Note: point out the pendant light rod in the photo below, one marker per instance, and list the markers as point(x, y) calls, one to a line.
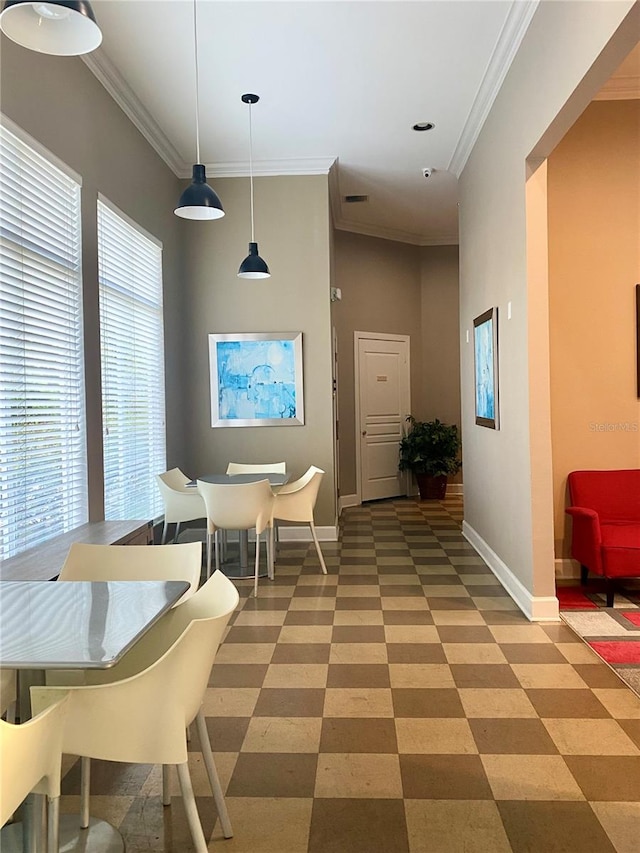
point(251, 99)
point(195, 41)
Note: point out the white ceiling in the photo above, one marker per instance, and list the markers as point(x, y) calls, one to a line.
point(338, 81)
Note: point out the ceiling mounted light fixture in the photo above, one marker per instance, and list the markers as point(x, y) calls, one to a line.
point(56, 27)
point(423, 125)
point(253, 266)
point(198, 201)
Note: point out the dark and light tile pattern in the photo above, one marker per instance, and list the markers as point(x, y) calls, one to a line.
point(399, 704)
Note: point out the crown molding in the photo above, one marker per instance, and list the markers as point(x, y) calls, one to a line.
point(515, 26)
point(619, 89)
point(267, 168)
point(115, 84)
point(393, 234)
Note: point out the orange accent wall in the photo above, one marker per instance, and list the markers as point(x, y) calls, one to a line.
point(594, 266)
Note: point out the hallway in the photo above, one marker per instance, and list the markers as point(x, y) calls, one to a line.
point(400, 704)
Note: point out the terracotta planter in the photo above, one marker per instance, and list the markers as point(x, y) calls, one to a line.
point(432, 488)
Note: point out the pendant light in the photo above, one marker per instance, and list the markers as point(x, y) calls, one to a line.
point(198, 201)
point(57, 27)
point(253, 266)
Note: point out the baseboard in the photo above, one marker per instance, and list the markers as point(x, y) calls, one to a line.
point(567, 569)
point(455, 488)
point(347, 500)
point(326, 533)
point(536, 608)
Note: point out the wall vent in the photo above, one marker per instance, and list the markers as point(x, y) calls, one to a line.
point(356, 199)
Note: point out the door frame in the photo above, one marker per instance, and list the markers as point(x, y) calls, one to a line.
point(375, 336)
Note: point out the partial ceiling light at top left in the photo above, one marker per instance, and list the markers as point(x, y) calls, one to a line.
point(57, 27)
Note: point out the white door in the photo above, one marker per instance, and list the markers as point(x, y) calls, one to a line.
point(382, 400)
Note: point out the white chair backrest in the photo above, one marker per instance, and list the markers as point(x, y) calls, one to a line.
point(134, 563)
point(142, 718)
point(31, 758)
point(237, 506)
point(174, 478)
point(261, 468)
point(215, 597)
point(181, 503)
point(295, 501)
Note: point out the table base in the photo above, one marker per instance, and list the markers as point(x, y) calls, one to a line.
point(99, 837)
point(234, 571)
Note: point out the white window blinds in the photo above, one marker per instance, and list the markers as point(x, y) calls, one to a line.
point(132, 350)
point(43, 469)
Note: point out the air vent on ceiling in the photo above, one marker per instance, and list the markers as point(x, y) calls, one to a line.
point(356, 199)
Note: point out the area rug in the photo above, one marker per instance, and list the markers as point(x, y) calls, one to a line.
point(612, 632)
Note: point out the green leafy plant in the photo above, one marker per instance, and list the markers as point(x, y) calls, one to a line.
point(430, 447)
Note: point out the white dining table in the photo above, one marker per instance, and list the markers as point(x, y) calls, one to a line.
point(73, 625)
point(241, 569)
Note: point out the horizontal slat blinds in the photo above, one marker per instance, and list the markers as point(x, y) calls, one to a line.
point(43, 467)
point(132, 348)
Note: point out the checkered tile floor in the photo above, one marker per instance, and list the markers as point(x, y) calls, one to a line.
point(400, 704)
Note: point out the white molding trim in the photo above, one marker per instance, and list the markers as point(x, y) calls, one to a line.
point(348, 500)
point(326, 533)
point(389, 233)
point(536, 608)
point(513, 31)
point(124, 96)
point(566, 568)
point(268, 168)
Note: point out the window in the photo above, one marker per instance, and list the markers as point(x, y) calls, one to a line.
point(43, 467)
point(132, 351)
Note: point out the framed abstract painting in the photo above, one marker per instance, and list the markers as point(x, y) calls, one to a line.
point(256, 379)
point(485, 351)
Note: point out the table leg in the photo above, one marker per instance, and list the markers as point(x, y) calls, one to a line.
point(243, 538)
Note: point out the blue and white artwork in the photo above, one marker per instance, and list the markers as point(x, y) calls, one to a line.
point(256, 379)
point(485, 342)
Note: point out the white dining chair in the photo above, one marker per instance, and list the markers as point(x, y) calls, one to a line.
point(31, 755)
point(84, 562)
point(296, 502)
point(241, 506)
point(157, 691)
point(181, 502)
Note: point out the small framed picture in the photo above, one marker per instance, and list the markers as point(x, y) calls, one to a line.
point(485, 351)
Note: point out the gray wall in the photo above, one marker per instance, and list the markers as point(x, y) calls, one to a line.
point(561, 63)
point(404, 290)
point(292, 228)
point(59, 102)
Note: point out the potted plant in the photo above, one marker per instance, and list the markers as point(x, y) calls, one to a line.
point(431, 449)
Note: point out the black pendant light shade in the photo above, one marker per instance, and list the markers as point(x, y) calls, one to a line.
point(253, 266)
point(58, 27)
point(199, 201)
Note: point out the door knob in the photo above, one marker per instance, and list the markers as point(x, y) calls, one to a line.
point(364, 432)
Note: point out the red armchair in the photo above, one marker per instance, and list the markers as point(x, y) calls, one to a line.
point(606, 524)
